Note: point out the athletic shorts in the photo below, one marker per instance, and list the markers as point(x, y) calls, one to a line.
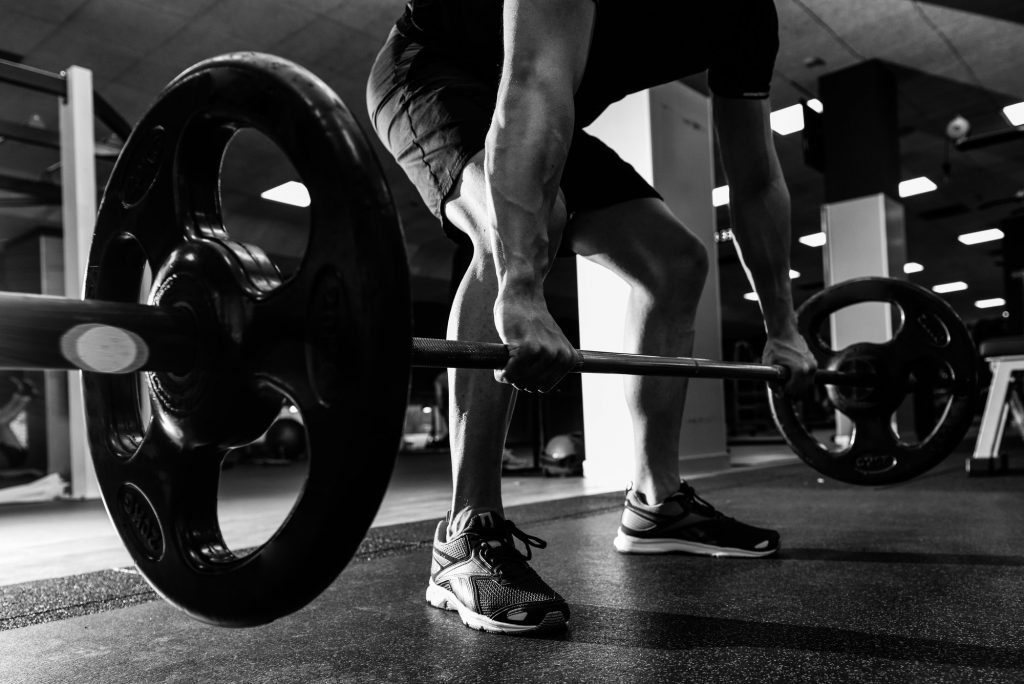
point(432, 90)
point(433, 115)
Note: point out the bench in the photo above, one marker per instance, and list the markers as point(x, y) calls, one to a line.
point(1005, 356)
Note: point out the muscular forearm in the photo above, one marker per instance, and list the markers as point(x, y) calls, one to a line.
point(761, 226)
point(526, 149)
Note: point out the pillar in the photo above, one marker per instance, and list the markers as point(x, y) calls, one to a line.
point(666, 134)
point(78, 187)
point(862, 220)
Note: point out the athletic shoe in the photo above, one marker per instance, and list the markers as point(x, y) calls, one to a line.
point(687, 523)
point(481, 574)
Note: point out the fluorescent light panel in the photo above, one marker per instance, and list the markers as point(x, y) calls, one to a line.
point(793, 275)
point(813, 240)
point(816, 105)
point(990, 303)
point(292, 192)
point(917, 186)
point(956, 286)
point(1014, 114)
point(720, 196)
point(788, 120)
point(987, 235)
point(912, 267)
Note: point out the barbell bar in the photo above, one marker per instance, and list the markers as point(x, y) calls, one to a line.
point(43, 332)
point(435, 353)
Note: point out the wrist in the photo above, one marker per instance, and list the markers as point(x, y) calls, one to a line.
point(520, 286)
point(782, 326)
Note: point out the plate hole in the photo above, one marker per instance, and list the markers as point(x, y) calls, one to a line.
point(860, 323)
point(925, 407)
point(261, 482)
point(255, 166)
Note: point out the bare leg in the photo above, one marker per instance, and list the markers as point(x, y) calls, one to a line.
point(480, 407)
point(665, 266)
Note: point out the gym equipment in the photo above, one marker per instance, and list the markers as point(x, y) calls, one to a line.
point(563, 456)
point(228, 341)
point(286, 439)
point(931, 350)
point(222, 341)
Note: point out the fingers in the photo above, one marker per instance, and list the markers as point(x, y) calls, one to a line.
point(793, 355)
point(801, 377)
point(536, 367)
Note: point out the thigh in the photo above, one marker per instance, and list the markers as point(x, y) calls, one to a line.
point(431, 113)
point(641, 240)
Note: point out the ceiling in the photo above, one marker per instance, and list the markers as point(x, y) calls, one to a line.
point(949, 57)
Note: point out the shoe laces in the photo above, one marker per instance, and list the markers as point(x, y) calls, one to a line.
point(505, 558)
point(692, 500)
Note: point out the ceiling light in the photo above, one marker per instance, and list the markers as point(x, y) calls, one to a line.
point(750, 296)
point(987, 235)
point(793, 275)
point(912, 267)
point(813, 240)
point(950, 287)
point(292, 192)
point(816, 105)
point(917, 186)
point(1014, 114)
point(989, 303)
point(788, 120)
point(720, 196)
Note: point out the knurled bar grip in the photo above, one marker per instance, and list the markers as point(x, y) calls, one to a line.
point(436, 353)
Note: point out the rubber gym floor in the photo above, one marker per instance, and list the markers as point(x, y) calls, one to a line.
point(921, 582)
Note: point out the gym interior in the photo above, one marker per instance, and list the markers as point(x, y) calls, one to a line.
point(900, 128)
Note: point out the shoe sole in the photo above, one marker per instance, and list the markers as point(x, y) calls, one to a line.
point(439, 597)
point(625, 543)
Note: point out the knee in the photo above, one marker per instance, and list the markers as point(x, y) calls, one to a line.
point(678, 267)
point(693, 258)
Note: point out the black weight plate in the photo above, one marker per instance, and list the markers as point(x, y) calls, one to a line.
point(931, 345)
point(334, 339)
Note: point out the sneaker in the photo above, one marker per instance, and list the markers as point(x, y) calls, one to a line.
point(685, 522)
point(481, 574)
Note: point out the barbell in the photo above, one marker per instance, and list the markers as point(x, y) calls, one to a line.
point(222, 340)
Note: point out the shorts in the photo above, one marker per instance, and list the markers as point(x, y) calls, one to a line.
point(433, 113)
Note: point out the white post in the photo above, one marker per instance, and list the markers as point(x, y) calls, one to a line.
point(666, 134)
point(625, 127)
point(78, 182)
point(864, 237)
point(684, 174)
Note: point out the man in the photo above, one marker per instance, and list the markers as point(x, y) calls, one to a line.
point(483, 102)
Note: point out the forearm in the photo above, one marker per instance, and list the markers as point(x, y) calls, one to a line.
point(761, 227)
point(526, 149)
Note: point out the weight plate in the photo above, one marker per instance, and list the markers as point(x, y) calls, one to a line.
point(333, 339)
point(931, 355)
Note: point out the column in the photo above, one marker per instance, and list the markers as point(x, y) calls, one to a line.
point(666, 134)
point(863, 223)
point(78, 182)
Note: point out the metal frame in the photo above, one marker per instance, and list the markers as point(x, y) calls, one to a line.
point(80, 107)
point(986, 457)
point(43, 81)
